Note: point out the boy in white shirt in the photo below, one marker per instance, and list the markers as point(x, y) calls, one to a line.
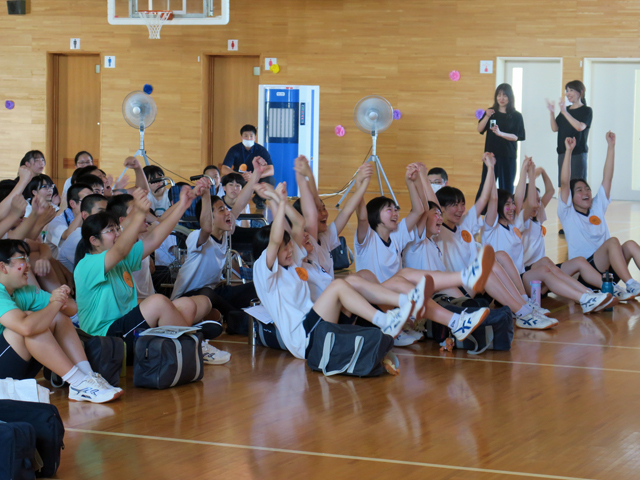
point(233, 184)
point(69, 220)
point(158, 193)
point(585, 226)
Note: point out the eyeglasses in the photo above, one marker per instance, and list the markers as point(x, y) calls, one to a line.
point(24, 258)
point(117, 230)
point(48, 187)
point(85, 163)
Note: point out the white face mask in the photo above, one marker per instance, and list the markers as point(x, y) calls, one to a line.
point(248, 143)
point(436, 186)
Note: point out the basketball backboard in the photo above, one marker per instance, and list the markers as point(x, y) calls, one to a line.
point(185, 12)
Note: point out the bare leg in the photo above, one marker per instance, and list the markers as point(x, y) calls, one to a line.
point(555, 284)
point(43, 347)
point(511, 271)
point(338, 294)
point(546, 261)
point(441, 280)
point(158, 310)
point(193, 309)
point(631, 250)
point(374, 292)
point(610, 255)
point(437, 313)
point(499, 291)
point(587, 272)
point(66, 336)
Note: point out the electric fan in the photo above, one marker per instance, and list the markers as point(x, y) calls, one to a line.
point(139, 110)
point(373, 115)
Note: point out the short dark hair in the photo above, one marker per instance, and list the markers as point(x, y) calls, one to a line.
point(89, 179)
point(210, 167)
point(153, 171)
point(119, 204)
point(74, 192)
point(503, 198)
point(233, 177)
point(198, 207)
point(506, 89)
point(79, 172)
point(88, 202)
point(248, 128)
point(35, 183)
point(6, 187)
point(433, 205)
point(450, 196)
point(30, 155)
point(375, 206)
point(75, 160)
point(579, 87)
point(439, 171)
point(261, 240)
point(574, 182)
point(10, 246)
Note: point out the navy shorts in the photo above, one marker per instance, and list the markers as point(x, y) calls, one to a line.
point(591, 261)
point(127, 324)
point(13, 365)
point(312, 319)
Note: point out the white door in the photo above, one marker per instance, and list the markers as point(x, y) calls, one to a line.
point(533, 81)
point(613, 91)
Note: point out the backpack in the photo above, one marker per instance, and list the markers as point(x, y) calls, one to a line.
point(342, 255)
point(18, 451)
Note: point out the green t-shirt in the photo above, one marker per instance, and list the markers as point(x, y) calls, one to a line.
point(105, 297)
point(27, 298)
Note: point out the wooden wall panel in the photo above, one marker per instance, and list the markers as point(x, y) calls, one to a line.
point(351, 48)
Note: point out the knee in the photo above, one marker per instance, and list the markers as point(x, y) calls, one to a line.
point(613, 242)
point(501, 255)
point(630, 244)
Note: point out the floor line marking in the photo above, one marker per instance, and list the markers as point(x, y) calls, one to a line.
point(577, 344)
point(230, 341)
point(620, 370)
point(326, 455)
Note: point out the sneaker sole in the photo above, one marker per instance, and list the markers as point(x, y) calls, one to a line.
point(601, 305)
point(611, 302)
point(117, 395)
point(488, 257)
point(218, 362)
point(545, 328)
point(429, 287)
point(482, 319)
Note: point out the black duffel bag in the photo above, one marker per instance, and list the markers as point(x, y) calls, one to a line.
point(17, 451)
point(348, 350)
point(162, 362)
point(48, 426)
point(342, 255)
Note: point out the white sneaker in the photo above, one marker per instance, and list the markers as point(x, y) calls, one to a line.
point(595, 300)
point(621, 293)
point(474, 277)
point(416, 334)
point(536, 308)
point(90, 390)
point(534, 321)
point(405, 339)
point(468, 322)
point(396, 318)
point(417, 297)
point(212, 356)
point(101, 380)
point(633, 287)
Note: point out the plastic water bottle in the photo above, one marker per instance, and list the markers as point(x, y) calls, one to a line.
point(607, 287)
point(536, 291)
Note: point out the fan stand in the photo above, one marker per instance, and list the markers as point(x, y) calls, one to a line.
point(141, 151)
point(380, 171)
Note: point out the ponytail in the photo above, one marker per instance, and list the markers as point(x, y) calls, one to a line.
point(91, 227)
point(81, 250)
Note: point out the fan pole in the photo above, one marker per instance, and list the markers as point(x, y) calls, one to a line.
point(379, 170)
point(142, 152)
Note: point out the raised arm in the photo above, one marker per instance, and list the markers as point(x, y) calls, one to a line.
point(531, 204)
point(141, 179)
point(426, 186)
point(307, 200)
point(297, 220)
point(565, 173)
point(18, 206)
point(417, 209)
point(609, 164)
point(552, 109)
point(579, 126)
point(492, 205)
point(277, 230)
point(44, 214)
point(363, 221)
point(153, 241)
point(267, 170)
point(25, 176)
point(245, 194)
point(549, 189)
point(482, 124)
point(363, 177)
point(206, 215)
point(489, 160)
point(522, 183)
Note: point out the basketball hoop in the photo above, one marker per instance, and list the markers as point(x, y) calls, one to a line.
point(154, 20)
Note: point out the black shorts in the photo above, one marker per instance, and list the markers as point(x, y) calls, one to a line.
point(591, 261)
point(13, 365)
point(127, 324)
point(311, 320)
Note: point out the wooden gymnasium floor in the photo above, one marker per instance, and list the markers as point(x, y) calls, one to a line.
point(560, 405)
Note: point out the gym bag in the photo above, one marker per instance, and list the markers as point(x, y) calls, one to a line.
point(267, 335)
point(48, 427)
point(348, 349)
point(17, 451)
point(342, 255)
point(162, 362)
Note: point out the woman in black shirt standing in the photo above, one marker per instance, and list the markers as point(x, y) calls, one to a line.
point(574, 121)
point(504, 127)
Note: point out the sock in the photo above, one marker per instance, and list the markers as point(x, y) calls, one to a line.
point(402, 299)
point(526, 310)
point(74, 377)
point(584, 297)
point(453, 320)
point(525, 298)
point(464, 276)
point(85, 367)
point(380, 319)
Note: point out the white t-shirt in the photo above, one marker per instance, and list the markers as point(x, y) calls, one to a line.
point(319, 277)
point(56, 228)
point(65, 188)
point(585, 233)
point(533, 234)
point(458, 246)
point(423, 254)
point(505, 239)
point(164, 257)
point(287, 298)
point(203, 266)
point(143, 281)
point(383, 259)
point(162, 205)
point(67, 252)
point(328, 241)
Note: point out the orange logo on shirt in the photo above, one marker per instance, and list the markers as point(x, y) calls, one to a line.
point(544, 230)
point(466, 236)
point(127, 279)
point(243, 168)
point(517, 232)
point(302, 273)
point(594, 220)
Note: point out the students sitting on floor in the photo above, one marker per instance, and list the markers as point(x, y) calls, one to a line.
point(583, 218)
point(106, 293)
point(36, 330)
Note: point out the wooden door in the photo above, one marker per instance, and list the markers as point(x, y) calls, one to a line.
point(76, 112)
point(233, 97)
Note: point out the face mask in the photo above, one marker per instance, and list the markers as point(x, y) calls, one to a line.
point(248, 143)
point(436, 186)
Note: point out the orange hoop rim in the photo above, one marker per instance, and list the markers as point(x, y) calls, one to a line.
point(150, 12)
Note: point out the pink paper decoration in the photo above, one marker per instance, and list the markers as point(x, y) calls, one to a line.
point(339, 131)
point(454, 75)
point(397, 114)
point(479, 113)
point(9, 104)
